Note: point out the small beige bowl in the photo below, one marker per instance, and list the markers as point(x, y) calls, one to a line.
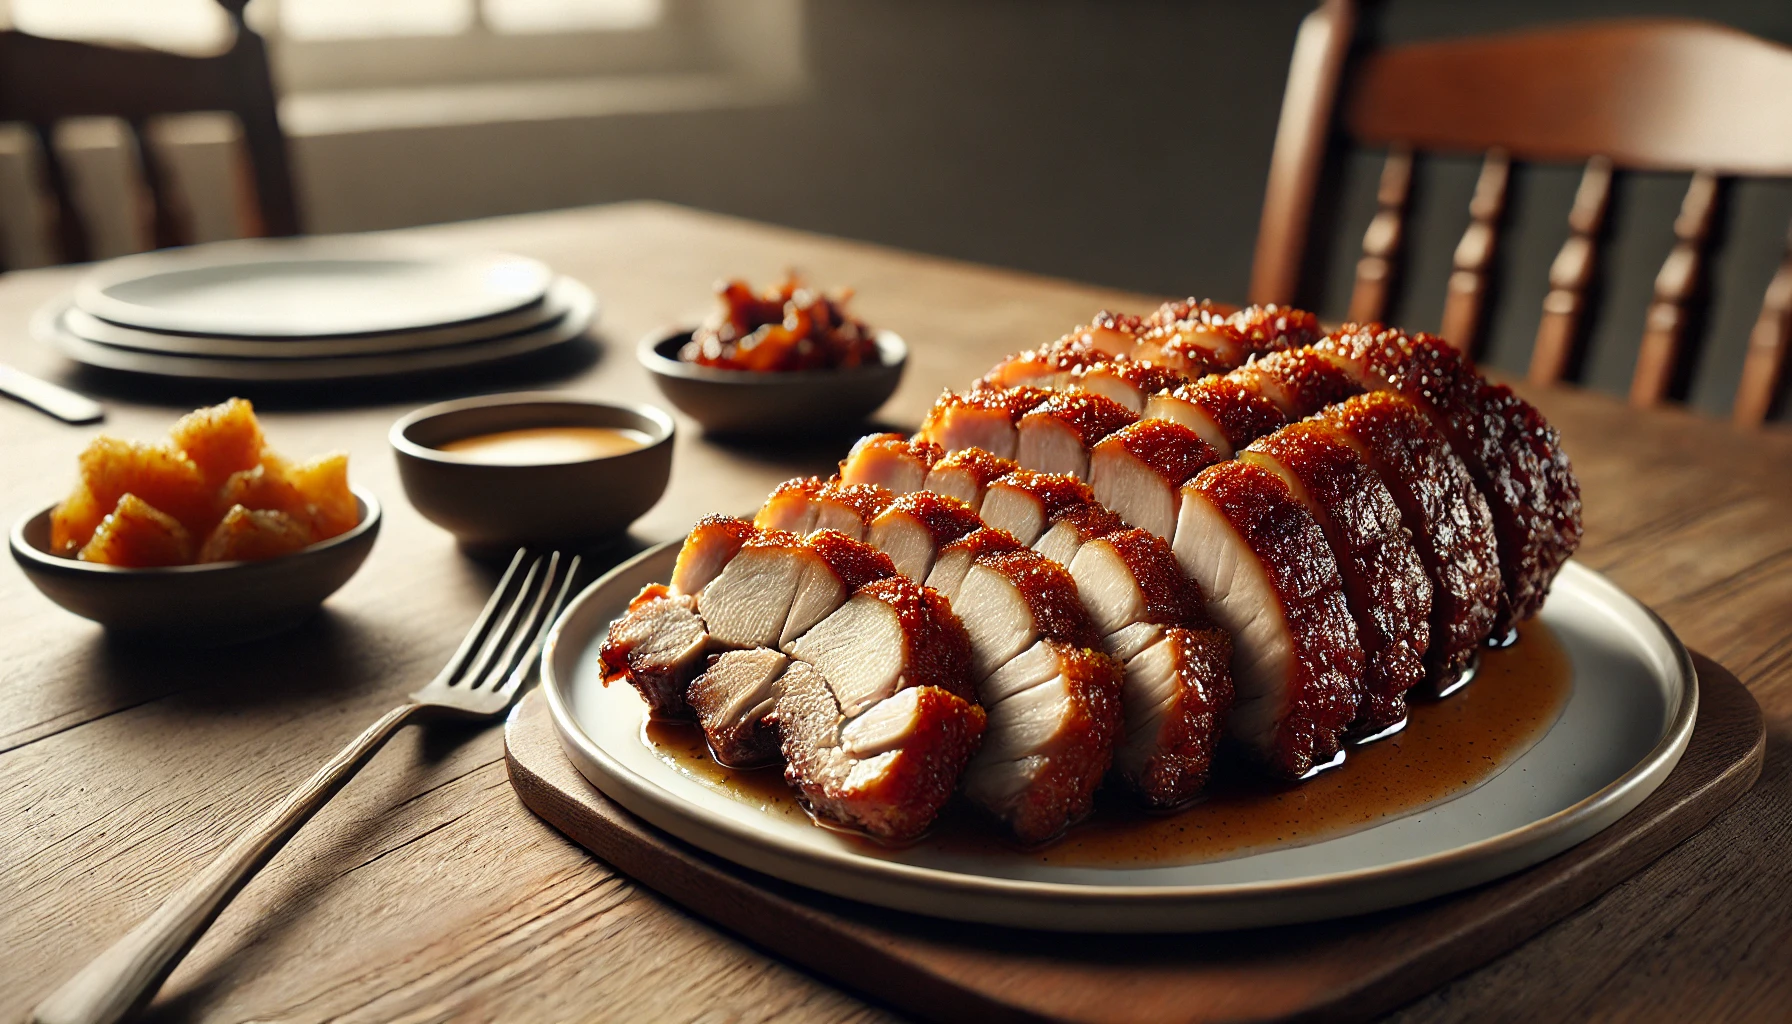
point(491, 507)
point(748, 402)
point(197, 605)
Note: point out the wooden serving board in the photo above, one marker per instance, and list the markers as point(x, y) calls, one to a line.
point(1350, 969)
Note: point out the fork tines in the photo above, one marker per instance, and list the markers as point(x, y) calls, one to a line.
point(505, 640)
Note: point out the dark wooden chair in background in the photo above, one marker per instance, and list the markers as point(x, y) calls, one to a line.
point(44, 81)
point(1655, 94)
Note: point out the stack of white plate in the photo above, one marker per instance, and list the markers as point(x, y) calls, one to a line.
point(312, 310)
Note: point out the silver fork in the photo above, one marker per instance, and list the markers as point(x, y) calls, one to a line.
point(480, 681)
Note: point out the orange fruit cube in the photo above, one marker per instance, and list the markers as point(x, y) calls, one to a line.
point(138, 535)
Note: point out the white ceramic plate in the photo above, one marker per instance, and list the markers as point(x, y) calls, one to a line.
point(1623, 728)
point(307, 288)
point(577, 313)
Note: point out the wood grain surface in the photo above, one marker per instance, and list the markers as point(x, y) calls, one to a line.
point(1341, 970)
point(426, 891)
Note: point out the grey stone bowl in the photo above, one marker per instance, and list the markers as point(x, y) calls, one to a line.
point(749, 402)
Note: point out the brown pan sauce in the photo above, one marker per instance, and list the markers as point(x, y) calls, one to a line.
point(1448, 747)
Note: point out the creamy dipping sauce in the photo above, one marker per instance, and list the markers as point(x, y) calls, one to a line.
point(1448, 747)
point(537, 446)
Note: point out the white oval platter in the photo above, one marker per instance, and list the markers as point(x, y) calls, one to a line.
point(1625, 724)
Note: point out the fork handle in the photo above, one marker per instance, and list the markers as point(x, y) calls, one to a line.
point(123, 978)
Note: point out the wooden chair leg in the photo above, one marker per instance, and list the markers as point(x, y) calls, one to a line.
point(1570, 276)
point(1467, 296)
point(1658, 363)
point(1765, 363)
point(68, 231)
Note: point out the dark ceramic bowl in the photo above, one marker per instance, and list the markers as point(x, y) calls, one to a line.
point(496, 507)
point(747, 402)
point(197, 605)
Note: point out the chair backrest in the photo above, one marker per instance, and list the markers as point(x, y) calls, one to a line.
point(44, 81)
point(1655, 94)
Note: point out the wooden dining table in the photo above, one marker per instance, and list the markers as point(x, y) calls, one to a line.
point(427, 891)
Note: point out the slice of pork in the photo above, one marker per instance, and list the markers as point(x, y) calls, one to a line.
point(981, 418)
point(833, 567)
point(791, 506)
point(1025, 502)
point(1011, 600)
point(1048, 366)
point(1449, 521)
point(1270, 581)
point(747, 603)
point(657, 646)
point(1055, 437)
point(1138, 471)
point(956, 558)
point(1054, 713)
point(1127, 381)
point(1176, 697)
point(1131, 577)
point(709, 546)
point(1228, 412)
point(890, 461)
point(1066, 533)
point(733, 700)
point(885, 771)
point(1515, 457)
point(1300, 381)
point(850, 508)
point(891, 634)
point(915, 526)
point(1384, 582)
point(967, 473)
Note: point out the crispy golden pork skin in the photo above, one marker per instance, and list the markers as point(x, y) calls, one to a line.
point(955, 559)
point(967, 473)
point(850, 508)
point(1384, 582)
point(1515, 457)
point(1451, 527)
point(1299, 381)
point(1271, 581)
point(1026, 502)
point(891, 461)
point(983, 418)
point(710, 545)
point(1228, 412)
point(1056, 435)
point(915, 526)
point(1129, 382)
point(791, 506)
point(877, 715)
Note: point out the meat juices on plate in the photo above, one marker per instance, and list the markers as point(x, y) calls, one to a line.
point(1451, 527)
point(1385, 585)
point(967, 473)
point(980, 418)
point(915, 526)
point(1138, 471)
point(1514, 456)
point(877, 715)
point(1271, 581)
point(891, 461)
point(1056, 435)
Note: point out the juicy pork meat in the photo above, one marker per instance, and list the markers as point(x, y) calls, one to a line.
point(1451, 527)
point(877, 717)
point(980, 418)
point(967, 473)
point(1228, 412)
point(1385, 584)
point(955, 559)
point(1138, 471)
point(1271, 581)
point(1048, 366)
point(780, 585)
point(1026, 502)
point(1054, 714)
point(850, 508)
point(657, 646)
point(707, 548)
point(915, 526)
point(733, 700)
point(1514, 456)
point(1127, 381)
point(1067, 533)
point(1055, 437)
point(791, 506)
point(890, 461)
point(1010, 600)
point(1299, 381)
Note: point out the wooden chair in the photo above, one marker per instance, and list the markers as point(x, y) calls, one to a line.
point(1662, 94)
point(43, 81)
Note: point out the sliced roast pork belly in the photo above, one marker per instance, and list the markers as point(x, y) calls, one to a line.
point(1228, 411)
point(1026, 502)
point(1300, 381)
point(833, 567)
point(1010, 600)
point(1054, 714)
point(877, 717)
point(915, 526)
point(1114, 333)
point(734, 699)
point(967, 473)
point(1384, 582)
point(1515, 457)
point(955, 559)
point(1127, 381)
point(1176, 696)
point(1048, 366)
point(1198, 338)
point(1451, 527)
point(1068, 532)
point(791, 506)
point(1138, 471)
point(748, 601)
point(657, 646)
point(1271, 581)
point(1055, 437)
point(850, 508)
point(891, 461)
point(1178, 678)
point(981, 418)
point(709, 547)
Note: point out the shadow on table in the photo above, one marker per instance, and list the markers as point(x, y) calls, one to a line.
point(539, 369)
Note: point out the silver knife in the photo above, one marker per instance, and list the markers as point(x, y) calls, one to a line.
point(54, 399)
